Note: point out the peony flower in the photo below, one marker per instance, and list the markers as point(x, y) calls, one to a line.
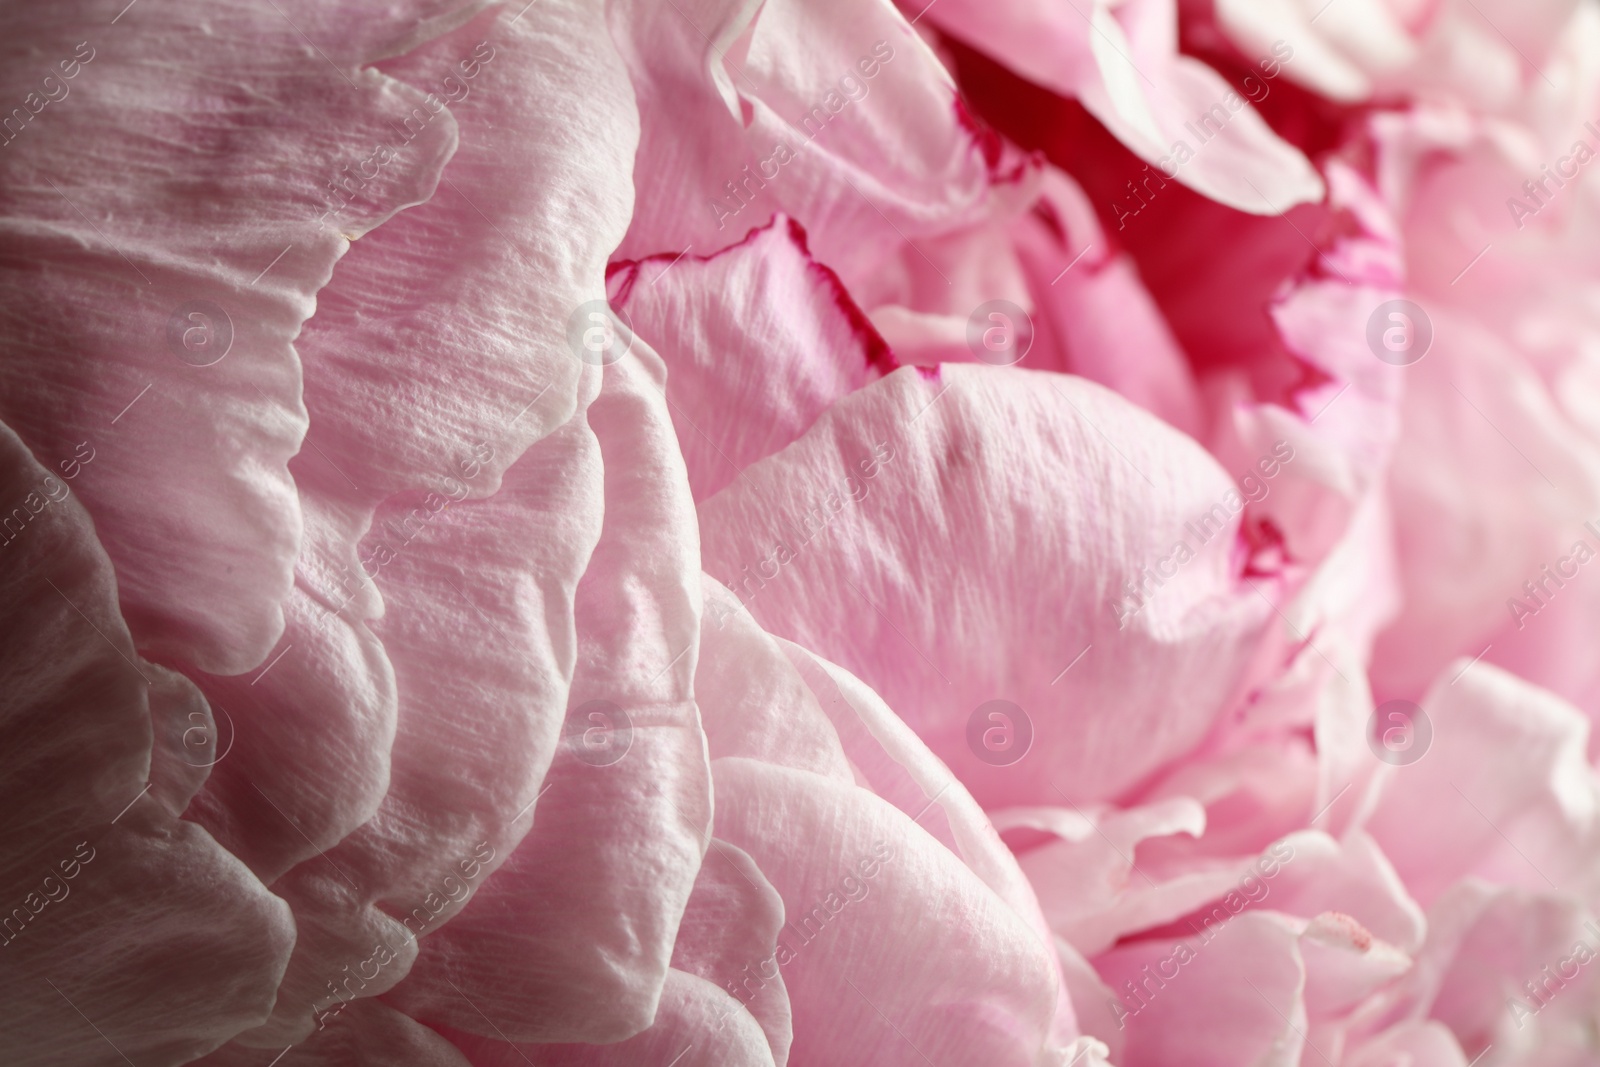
point(800, 534)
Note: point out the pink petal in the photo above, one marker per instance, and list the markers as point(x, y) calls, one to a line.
point(735, 129)
point(483, 656)
point(1090, 891)
point(470, 377)
point(1463, 560)
point(1504, 791)
point(753, 701)
point(758, 339)
point(1241, 989)
point(1121, 61)
point(1501, 967)
point(109, 273)
point(930, 496)
point(898, 767)
point(697, 1025)
point(272, 799)
point(975, 987)
point(1422, 1044)
point(363, 1033)
point(127, 931)
point(1354, 45)
point(1093, 312)
point(571, 940)
point(729, 937)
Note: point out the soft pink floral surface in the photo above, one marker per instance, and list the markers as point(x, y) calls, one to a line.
point(813, 533)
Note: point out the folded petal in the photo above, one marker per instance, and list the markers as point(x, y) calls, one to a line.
point(271, 798)
point(480, 628)
point(976, 987)
point(363, 1033)
point(127, 931)
point(1121, 60)
point(858, 135)
point(572, 939)
point(440, 350)
point(758, 339)
point(697, 1025)
point(161, 345)
point(1242, 989)
point(1505, 784)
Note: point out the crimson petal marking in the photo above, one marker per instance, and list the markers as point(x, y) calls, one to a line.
point(758, 340)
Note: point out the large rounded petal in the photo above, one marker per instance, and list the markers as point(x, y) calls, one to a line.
point(983, 534)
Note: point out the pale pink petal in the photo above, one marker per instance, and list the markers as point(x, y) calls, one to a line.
point(1345, 964)
point(1464, 549)
point(1507, 369)
point(127, 932)
point(1422, 1044)
point(572, 938)
point(1501, 966)
point(858, 135)
point(1254, 794)
point(724, 979)
point(1092, 892)
point(729, 937)
point(440, 350)
point(758, 339)
point(183, 738)
point(1093, 314)
point(1352, 877)
point(363, 1033)
point(949, 539)
point(1338, 51)
point(479, 625)
point(271, 798)
point(1241, 989)
point(753, 701)
point(898, 767)
point(697, 1025)
point(391, 491)
point(1506, 785)
point(882, 752)
point(189, 484)
point(1121, 60)
point(977, 986)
